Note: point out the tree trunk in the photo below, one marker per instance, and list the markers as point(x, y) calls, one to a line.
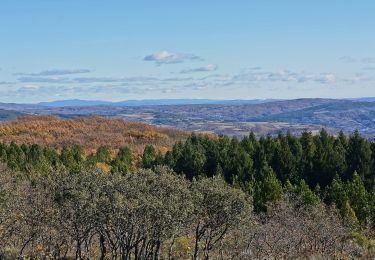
point(196, 246)
point(171, 248)
point(103, 249)
point(78, 250)
point(157, 250)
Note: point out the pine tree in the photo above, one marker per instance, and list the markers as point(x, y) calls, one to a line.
point(337, 192)
point(358, 197)
point(307, 196)
point(102, 155)
point(359, 159)
point(123, 162)
point(348, 215)
point(149, 157)
point(268, 189)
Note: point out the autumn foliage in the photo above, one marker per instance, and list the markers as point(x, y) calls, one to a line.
point(88, 132)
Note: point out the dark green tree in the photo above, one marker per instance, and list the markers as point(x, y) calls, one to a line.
point(123, 162)
point(359, 158)
point(151, 157)
point(268, 189)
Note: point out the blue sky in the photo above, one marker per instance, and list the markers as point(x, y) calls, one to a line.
point(120, 50)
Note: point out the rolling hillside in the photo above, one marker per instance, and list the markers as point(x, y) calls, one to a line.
point(8, 115)
point(231, 118)
point(89, 132)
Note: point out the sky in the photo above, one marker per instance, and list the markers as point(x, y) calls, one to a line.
point(216, 49)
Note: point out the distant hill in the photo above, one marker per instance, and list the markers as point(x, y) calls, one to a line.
point(365, 99)
point(74, 103)
point(231, 117)
point(8, 115)
point(146, 102)
point(345, 115)
point(89, 132)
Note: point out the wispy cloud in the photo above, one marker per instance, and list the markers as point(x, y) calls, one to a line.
point(348, 59)
point(283, 76)
point(369, 68)
point(368, 60)
point(244, 77)
point(39, 87)
point(364, 60)
point(113, 79)
point(166, 57)
point(207, 68)
point(56, 72)
point(32, 79)
point(5, 83)
point(97, 79)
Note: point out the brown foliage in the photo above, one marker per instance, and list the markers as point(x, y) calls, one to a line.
point(89, 132)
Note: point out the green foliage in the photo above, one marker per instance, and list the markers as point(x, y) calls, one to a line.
point(348, 215)
point(358, 197)
point(337, 170)
point(123, 162)
point(359, 157)
point(304, 163)
point(151, 157)
point(307, 196)
point(102, 155)
point(268, 189)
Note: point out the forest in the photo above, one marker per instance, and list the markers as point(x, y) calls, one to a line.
point(208, 197)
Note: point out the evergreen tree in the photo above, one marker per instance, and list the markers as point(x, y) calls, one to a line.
point(268, 189)
point(16, 158)
point(192, 159)
point(52, 157)
point(359, 159)
point(348, 215)
point(358, 198)
point(37, 159)
point(68, 160)
point(102, 155)
point(307, 196)
point(307, 159)
point(123, 162)
point(337, 192)
point(287, 158)
point(3, 152)
point(148, 157)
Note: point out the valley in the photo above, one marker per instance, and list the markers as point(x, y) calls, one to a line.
point(223, 117)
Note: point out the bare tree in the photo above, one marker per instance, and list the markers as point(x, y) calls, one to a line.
point(218, 208)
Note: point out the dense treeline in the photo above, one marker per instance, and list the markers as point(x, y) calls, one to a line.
point(35, 159)
point(337, 170)
point(215, 197)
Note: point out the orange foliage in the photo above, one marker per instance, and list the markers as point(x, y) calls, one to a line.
point(89, 132)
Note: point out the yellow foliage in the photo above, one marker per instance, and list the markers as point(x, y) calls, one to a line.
point(182, 247)
point(103, 166)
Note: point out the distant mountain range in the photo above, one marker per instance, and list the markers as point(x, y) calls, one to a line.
point(231, 117)
point(147, 102)
point(365, 99)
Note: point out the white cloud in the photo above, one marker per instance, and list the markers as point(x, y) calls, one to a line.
point(166, 57)
point(283, 76)
point(207, 68)
point(56, 72)
point(31, 79)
